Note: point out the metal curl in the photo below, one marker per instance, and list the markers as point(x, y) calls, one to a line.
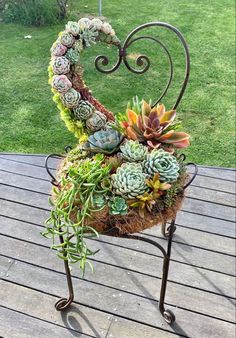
point(144, 61)
point(104, 61)
point(140, 61)
point(194, 175)
point(53, 179)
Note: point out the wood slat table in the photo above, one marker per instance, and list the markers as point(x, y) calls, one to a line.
point(121, 298)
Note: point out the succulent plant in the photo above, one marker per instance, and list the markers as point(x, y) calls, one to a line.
point(61, 83)
point(73, 27)
point(73, 56)
point(89, 35)
point(163, 163)
point(97, 121)
point(71, 98)
point(60, 65)
point(106, 28)
point(97, 23)
point(153, 125)
point(67, 39)
point(157, 187)
point(58, 49)
point(129, 180)
point(133, 151)
point(84, 23)
point(99, 201)
point(118, 206)
point(144, 203)
point(104, 141)
point(84, 110)
point(78, 45)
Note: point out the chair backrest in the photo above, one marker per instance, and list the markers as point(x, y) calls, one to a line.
point(143, 61)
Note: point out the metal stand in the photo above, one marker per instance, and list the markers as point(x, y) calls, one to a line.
point(142, 64)
point(168, 315)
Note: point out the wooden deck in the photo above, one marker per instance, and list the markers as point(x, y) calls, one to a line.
point(120, 299)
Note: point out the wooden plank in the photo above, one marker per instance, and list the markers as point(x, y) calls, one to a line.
point(183, 235)
point(78, 316)
point(134, 261)
point(181, 253)
point(217, 173)
point(214, 184)
point(123, 281)
point(225, 173)
point(210, 182)
point(34, 160)
point(204, 223)
point(4, 266)
point(25, 182)
point(131, 307)
point(45, 187)
point(201, 239)
point(188, 220)
point(211, 196)
point(24, 169)
point(15, 324)
point(190, 205)
point(41, 306)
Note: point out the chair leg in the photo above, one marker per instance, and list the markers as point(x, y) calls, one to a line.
point(64, 303)
point(168, 315)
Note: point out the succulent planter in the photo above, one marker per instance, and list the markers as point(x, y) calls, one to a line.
point(126, 173)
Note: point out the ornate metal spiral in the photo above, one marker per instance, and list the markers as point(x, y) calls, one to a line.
point(143, 62)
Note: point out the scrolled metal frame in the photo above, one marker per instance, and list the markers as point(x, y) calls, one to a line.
point(144, 63)
point(143, 60)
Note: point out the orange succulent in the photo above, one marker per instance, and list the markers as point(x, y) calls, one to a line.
point(153, 126)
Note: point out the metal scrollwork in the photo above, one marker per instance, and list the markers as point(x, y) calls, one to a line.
point(143, 62)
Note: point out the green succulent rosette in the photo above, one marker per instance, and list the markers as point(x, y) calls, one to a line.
point(89, 36)
point(96, 122)
point(129, 181)
point(133, 151)
point(104, 141)
point(73, 28)
point(99, 201)
point(84, 110)
point(71, 98)
point(118, 206)
point(162, 162)
point(73, 56)
point(60, 65)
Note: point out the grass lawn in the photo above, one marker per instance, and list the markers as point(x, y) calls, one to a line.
point(29, 120)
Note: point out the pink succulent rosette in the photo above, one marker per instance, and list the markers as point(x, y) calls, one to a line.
point(61, 83)
point(58, 49)
point(61, 65)
point(67, 39)
point(71, 98)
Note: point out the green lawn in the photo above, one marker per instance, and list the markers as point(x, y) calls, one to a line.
point(29, 120)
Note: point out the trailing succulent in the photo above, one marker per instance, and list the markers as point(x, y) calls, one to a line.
point(121, 166)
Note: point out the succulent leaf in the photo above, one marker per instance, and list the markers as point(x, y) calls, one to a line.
point(133, 151)
point(163, 163)
point(129, 181)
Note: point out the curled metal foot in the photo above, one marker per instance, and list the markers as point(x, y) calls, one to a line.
point(169, 316)
point(63, 303)
point(167, 231)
